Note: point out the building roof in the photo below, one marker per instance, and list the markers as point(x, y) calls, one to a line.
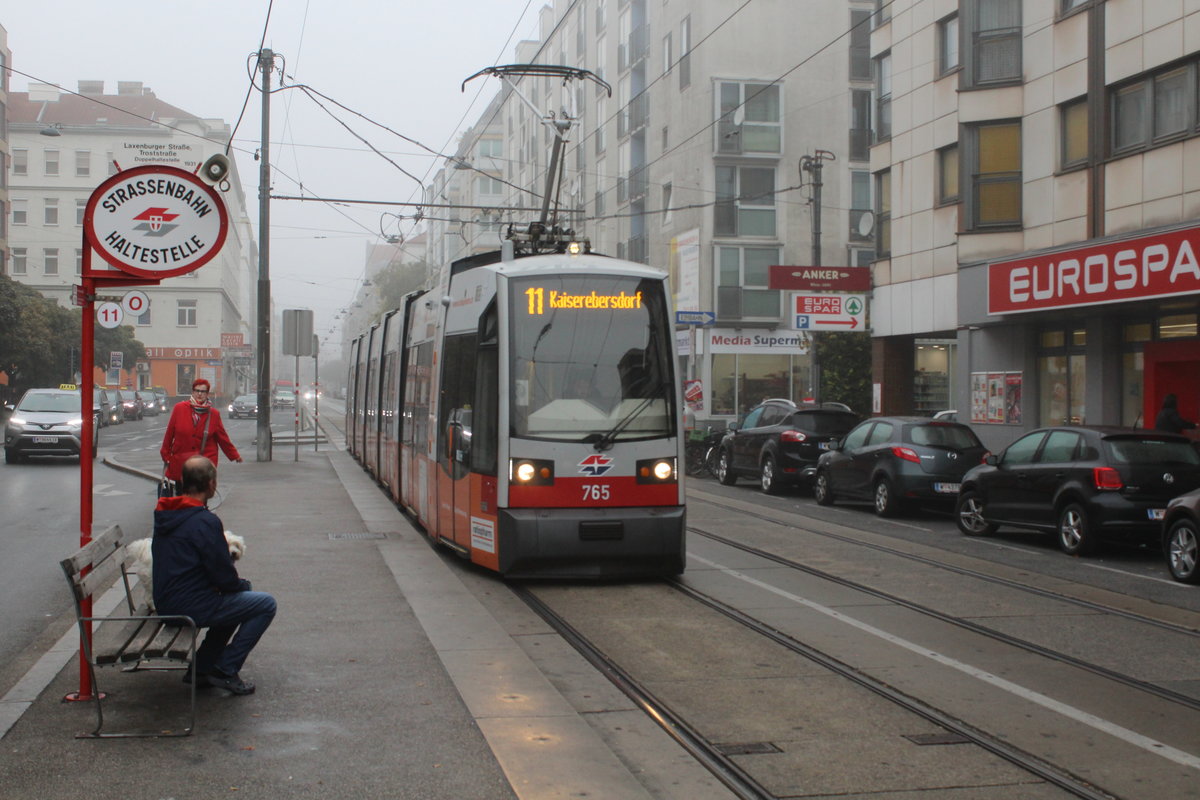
point(48, 105)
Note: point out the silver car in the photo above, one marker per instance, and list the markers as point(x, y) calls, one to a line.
point(46, 422)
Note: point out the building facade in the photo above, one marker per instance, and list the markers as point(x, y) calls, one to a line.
point(693, 163)
point(1038, 208)
point(62, 145)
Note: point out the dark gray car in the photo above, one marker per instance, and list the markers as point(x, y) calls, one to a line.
point(47, 422)
point(895, 461)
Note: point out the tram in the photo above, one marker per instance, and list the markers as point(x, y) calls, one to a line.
point(526, 414)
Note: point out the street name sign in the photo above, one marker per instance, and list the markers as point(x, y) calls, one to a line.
point(819, 279)
point(155, 221)
point(695, 318)
point(829, 312)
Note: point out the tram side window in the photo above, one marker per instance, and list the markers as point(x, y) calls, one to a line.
point(485, 439)
point(454, 405)
point(418, 406)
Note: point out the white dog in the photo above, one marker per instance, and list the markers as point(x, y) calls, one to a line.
point(143, 560)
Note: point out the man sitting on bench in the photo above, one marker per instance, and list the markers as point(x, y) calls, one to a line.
point(195, 576)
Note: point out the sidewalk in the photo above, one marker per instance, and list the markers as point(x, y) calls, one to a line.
point(382, 676)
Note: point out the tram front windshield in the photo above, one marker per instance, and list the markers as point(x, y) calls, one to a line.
point(590, 358)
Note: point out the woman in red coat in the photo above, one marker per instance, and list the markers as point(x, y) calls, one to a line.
point(185, 436)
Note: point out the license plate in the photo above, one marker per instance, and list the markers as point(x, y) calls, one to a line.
point(45, 440)
point(1156, 513)
point(824, 445)
point(946, 488)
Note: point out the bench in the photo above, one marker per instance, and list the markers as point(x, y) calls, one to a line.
point(137, 639)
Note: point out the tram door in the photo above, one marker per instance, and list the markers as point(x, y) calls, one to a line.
point(456, 421)
point(1171, 368)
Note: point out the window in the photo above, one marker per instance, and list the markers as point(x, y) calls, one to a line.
point(50, 211)
point(685, 53)
point(78, 261)
point(883, 12)
point(861, 210)
point(860, 45)
point(600, 179)
point(883, 97)
point(1172, 111)
point(860, 124)
point(83, 163)
point(668, 58)
point(742, 278)
point(1062, 374)
point(749, 119)
point(1070, 5)
point(601, 121)
point(491, 148)
point(50, 160)
point(80, 208)
point(487, 185)
point(883, 213)
point(186, 313)
point(667, 191)
point(20, 261)
point(1074, 116)
point(20, 212)
point(20, 161)
point(144, 318)
point(1155, 108)
point(993, 43)
point(948, 44)
point(112, 164)
point(947, 162)
point(745, 204)
point(1023, 450)
point(50, 260)
point(995, 175)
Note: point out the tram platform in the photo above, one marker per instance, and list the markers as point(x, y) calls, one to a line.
point(384, 675)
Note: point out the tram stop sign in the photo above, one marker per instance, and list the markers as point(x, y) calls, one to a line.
point(155, 221)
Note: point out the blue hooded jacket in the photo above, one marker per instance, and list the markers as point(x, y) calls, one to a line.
point(192, 565)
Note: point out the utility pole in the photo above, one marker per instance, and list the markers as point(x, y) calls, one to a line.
point(813, 165)
point(266, 63)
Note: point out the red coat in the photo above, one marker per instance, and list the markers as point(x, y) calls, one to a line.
point(184, 434)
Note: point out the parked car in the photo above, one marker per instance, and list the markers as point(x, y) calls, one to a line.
point(777, 441)
point(892, 461)
point(108, 405)
point(46, 422)
point(131, 404)
point(149, 401)
point(1181, 537)
point(245, 405)
point(948, 415)
point(1080, 482)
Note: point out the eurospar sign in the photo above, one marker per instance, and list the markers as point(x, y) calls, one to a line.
point(155, 221)
point(1158, 265)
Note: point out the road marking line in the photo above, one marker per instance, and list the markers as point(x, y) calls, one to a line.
point(1078, 715)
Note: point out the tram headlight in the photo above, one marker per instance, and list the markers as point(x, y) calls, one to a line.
point(656, 470)
point(531, 472)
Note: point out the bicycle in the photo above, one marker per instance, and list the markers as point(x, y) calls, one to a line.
point(702, 451)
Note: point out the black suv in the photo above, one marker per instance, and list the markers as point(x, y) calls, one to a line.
point(1079, 482)
point(892, 461)
point(778, 442)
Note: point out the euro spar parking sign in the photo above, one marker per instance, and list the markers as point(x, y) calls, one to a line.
point(155, 221)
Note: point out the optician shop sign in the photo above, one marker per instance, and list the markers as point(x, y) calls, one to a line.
point(155, 221)
point(1158, 265)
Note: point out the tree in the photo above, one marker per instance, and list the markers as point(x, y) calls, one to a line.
point(110, 340)
point(845, 360)
point(397, 280)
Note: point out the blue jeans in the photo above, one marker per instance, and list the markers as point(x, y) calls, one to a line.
point(242, 617)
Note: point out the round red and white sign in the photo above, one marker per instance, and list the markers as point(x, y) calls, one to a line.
point(156, 221)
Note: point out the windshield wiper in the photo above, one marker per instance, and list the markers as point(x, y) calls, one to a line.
point(604, 441)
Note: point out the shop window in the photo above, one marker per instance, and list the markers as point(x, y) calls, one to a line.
point(741, 381)
point(1177, 326)
point(1132, 378)
point(934, 364)
point(1062, 377)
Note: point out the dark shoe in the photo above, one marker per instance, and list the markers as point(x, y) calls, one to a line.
point(202, 681)
point(231, 683)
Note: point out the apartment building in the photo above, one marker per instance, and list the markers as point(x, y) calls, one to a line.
point(62, 145)
point(693, 162)
point(1038, 209)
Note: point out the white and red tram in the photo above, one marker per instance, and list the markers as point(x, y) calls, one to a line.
point(526, 414)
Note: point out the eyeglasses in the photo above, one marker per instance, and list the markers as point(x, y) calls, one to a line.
point(199, 391)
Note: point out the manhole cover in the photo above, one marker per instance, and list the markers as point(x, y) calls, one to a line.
point(358, 535)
